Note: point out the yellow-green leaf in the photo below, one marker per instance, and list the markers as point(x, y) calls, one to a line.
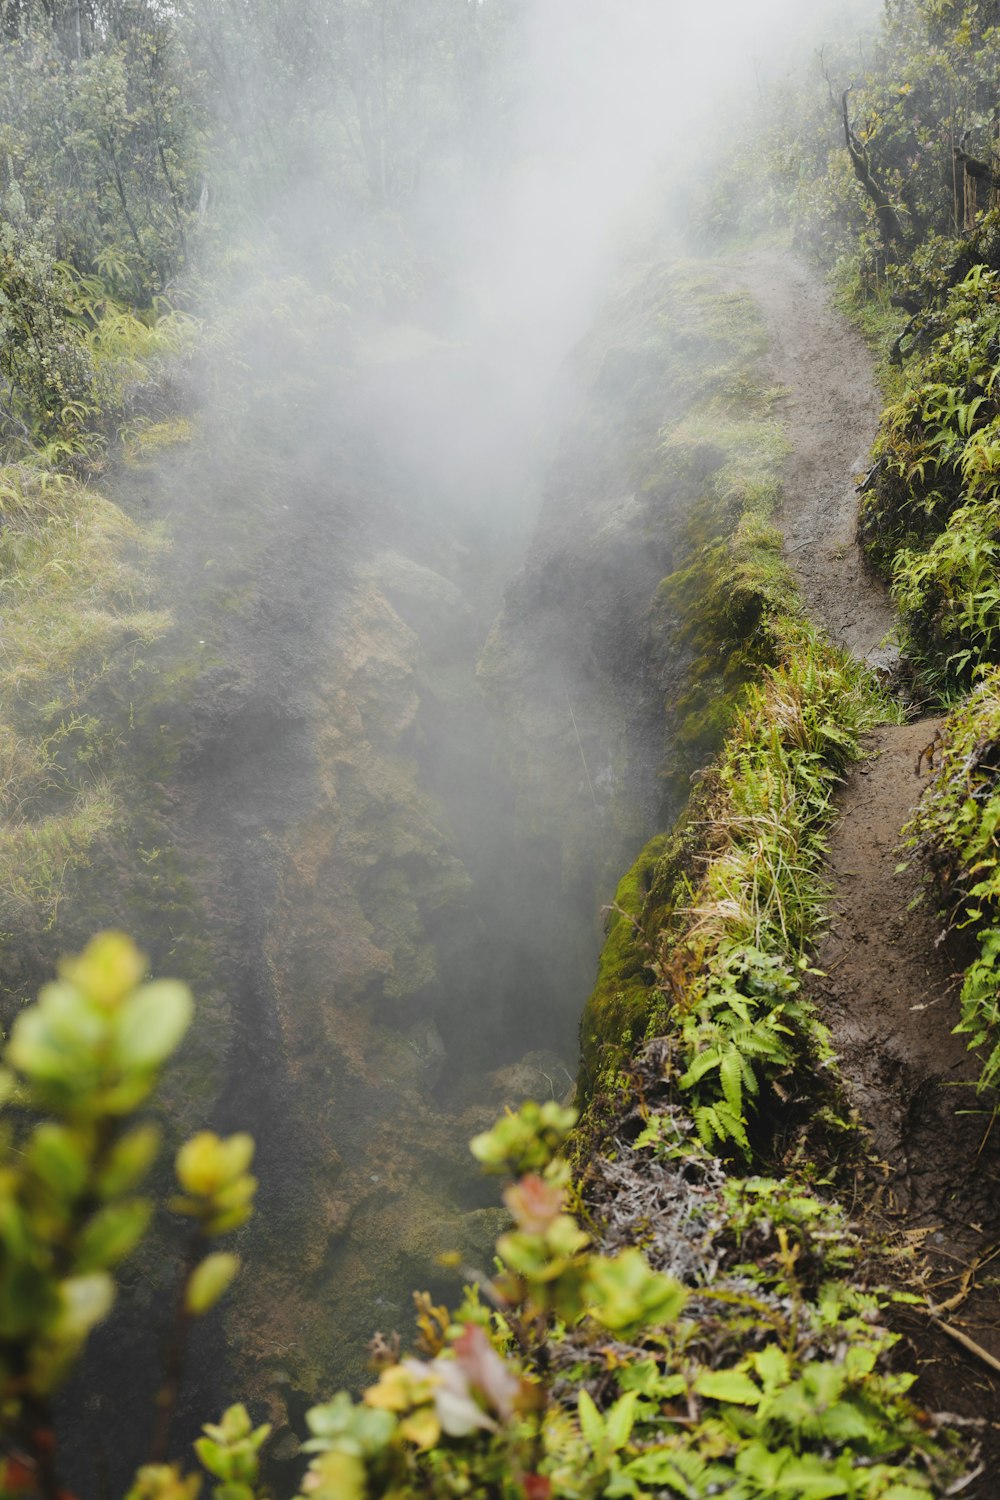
point(209, 1281)
point(151, 1023)
point(734, 1386)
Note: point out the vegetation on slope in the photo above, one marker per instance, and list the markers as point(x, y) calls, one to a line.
point(929, 516)
point(580, 1372)
point(956, 834)
point(75, 629)
point(697, 1034)
point(761, 1365)
point(925, 113)
point(734, 898)
point(570, 1373)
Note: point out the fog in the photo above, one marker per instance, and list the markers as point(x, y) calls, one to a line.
point(406, 778)
point(471, 820)
point(421, 762)
point(615, 109)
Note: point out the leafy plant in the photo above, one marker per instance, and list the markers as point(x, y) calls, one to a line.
point(732, 907)
point(802, 1405)
point(77, 1067)
point(787, 1414)
point(955, 832)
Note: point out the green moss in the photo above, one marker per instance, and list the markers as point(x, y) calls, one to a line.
point(616, 1013)
point(718, 605)
point(726, 602)
point(728, 904)
point(74, 590)
point(870, 309)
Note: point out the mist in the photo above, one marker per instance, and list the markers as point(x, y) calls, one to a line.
point(423, 758)
point(615, 111)
point(593, 121)
point(410, 723)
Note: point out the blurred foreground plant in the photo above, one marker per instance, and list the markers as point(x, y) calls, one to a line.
point(568, 1373)
point(86, 1057)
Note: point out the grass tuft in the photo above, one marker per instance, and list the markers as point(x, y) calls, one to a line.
point(955, 832)
point(73, 592)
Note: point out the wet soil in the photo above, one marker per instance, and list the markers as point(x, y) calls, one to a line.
point(831, 408)
point(890, 977)
point(889, 994)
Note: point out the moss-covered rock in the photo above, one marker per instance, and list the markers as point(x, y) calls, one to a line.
point(617, 1013)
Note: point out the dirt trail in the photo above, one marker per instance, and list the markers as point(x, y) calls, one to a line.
point(889, 994)
point(832, 409)
point(889, 986)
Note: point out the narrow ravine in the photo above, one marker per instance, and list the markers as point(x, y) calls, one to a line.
point(889, 978)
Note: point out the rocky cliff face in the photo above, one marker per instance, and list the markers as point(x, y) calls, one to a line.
point(436, 814)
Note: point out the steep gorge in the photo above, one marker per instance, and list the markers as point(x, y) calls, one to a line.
point(385, 801)
point(405, 616)
point(390, 797)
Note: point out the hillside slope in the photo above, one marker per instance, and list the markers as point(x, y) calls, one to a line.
point(889, 972)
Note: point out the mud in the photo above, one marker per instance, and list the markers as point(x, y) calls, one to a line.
point(890, 976)
point(831, 407)
point(889, 993)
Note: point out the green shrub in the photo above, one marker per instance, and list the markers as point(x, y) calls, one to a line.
point(571, 1373)
point(956, 834)
point(931, 513)
point(77, 1068)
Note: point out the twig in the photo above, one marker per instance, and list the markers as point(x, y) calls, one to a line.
point(169, 1393)
point(965, 1281)
point(963, 1484)
point(967, 1343)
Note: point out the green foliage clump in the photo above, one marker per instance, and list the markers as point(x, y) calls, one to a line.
point(730, 956)
point(925, 86)
point(73, 357)
point(931, 513)
point(955, 832)
point(723, 935)
point(771, 1382)
point(45, 366)
point(526, 1141)
point(102, 134)
point(800, 1404)
point(77, 1068)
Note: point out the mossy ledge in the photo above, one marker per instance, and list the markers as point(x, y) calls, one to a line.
point(763, 692)
point(700, 1052)
point(742, 872)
